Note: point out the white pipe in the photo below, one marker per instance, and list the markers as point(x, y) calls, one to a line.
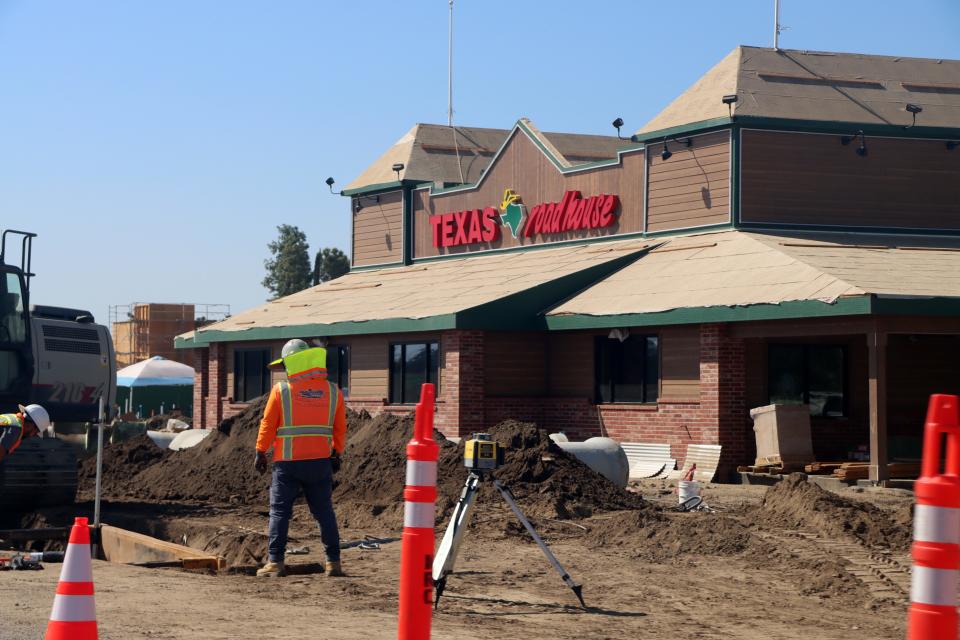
point(776, 25)
point(450, 69)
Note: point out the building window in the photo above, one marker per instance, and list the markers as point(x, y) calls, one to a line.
point(251, 379)
point(338, 367)
point(411, 365)
point(808, 374)
point(628, 370)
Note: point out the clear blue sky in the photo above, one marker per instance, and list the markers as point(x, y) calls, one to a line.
point(154, 146)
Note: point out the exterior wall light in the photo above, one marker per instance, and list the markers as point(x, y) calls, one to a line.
point(729, 100)
point(617, 124)
point(666, 154)
point(397, 168)
point(913, 109)
point(862, 148)
point(330, 182)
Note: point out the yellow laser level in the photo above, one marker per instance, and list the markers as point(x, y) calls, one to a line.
point(482, 453)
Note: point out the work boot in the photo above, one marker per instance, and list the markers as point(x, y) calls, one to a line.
point(272, 570)
point(333, 569)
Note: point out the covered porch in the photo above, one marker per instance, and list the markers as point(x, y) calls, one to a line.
point(867, 380)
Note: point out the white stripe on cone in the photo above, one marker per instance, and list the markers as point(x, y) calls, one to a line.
point(936, 524)
point(421, 473)
point(76, 564)
point(934, 586)
point(73, 609)
point(418, 514)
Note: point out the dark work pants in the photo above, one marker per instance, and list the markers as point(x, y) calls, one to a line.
point(315, 478)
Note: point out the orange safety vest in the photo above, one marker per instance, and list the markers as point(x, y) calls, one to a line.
point(307, 429)
point(15, 421)
point(301, 418)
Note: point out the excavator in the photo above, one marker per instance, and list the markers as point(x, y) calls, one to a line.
point(53, 356)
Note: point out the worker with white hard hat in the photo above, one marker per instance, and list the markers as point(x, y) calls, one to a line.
point(32, 420)
point(305, 423)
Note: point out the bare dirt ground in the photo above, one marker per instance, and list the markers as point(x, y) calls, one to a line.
point(751, 570)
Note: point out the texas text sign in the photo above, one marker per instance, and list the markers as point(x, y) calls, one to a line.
point(572, 213)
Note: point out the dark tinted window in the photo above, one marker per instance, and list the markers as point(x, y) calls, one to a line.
point(251, 379)
point(808, 374)
point(627, 371)
point(338, 367)
point(411, 365)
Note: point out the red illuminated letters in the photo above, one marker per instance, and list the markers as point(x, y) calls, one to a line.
point(465, 227)
point(572, 213)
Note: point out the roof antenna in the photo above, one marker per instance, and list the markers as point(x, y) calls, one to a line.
point(456, 145)
point(776, 25)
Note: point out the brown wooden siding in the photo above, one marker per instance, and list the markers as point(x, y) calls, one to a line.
point(515, 364)
point(692, 187)
point(792, 178)
point(570, 369)
point(378, 229)
point(918, 366)
point(523, 168)
point(680, 364)
point(369, 367)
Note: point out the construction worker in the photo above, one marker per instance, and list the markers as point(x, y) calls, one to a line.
point(32, 420)
point(305, 423)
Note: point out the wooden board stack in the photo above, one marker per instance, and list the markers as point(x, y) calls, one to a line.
point(861, 470)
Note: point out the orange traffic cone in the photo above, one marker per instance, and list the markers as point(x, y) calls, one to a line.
point(74, 616)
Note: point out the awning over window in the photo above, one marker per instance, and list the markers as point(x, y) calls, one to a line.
point(739, 275)
point(509, 290)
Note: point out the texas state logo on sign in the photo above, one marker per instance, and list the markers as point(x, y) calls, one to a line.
point(572, 213)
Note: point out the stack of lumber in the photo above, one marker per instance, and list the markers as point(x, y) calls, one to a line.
point(861, 470)
point(770, 468)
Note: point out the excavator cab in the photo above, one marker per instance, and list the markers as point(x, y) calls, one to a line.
point(16, 355)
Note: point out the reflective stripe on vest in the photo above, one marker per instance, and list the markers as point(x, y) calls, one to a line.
point(13, 420)
point(290, 431)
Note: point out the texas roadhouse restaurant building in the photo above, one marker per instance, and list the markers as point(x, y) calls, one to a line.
point(785, 231)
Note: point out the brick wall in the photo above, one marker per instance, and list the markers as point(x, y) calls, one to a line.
point(719, 417)
point(200, 361)
point(216, 384)
point(461, 403)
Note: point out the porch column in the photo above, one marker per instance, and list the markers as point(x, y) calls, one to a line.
point(460, 406)
point(877, 365)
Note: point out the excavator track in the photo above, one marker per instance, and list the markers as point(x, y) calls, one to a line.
point(42, 472)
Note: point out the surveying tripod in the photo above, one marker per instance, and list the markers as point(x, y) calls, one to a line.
point(482, 456)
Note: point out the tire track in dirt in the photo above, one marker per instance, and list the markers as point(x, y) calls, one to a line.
point(884, 573)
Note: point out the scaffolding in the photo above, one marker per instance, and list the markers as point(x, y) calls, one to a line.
point(145, 329)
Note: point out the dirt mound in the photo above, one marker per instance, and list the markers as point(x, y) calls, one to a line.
point(369, 488)
point(121, 463)
point(546, 481)
point(219, 469)
point(659, 537)
point(794, 502)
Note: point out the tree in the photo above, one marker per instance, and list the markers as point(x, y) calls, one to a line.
point(331, 263)
point(288, 270)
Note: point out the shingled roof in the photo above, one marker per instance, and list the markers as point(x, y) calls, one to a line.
point(429, 153)
point(820, 86)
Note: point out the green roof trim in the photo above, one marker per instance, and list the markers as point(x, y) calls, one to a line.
point(517, 311)
point(703, 126)
point(390, 325)
point(382, 186)
point(849, 306)
point(857, 305)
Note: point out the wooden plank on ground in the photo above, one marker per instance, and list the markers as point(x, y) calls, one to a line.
point(128, 547)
